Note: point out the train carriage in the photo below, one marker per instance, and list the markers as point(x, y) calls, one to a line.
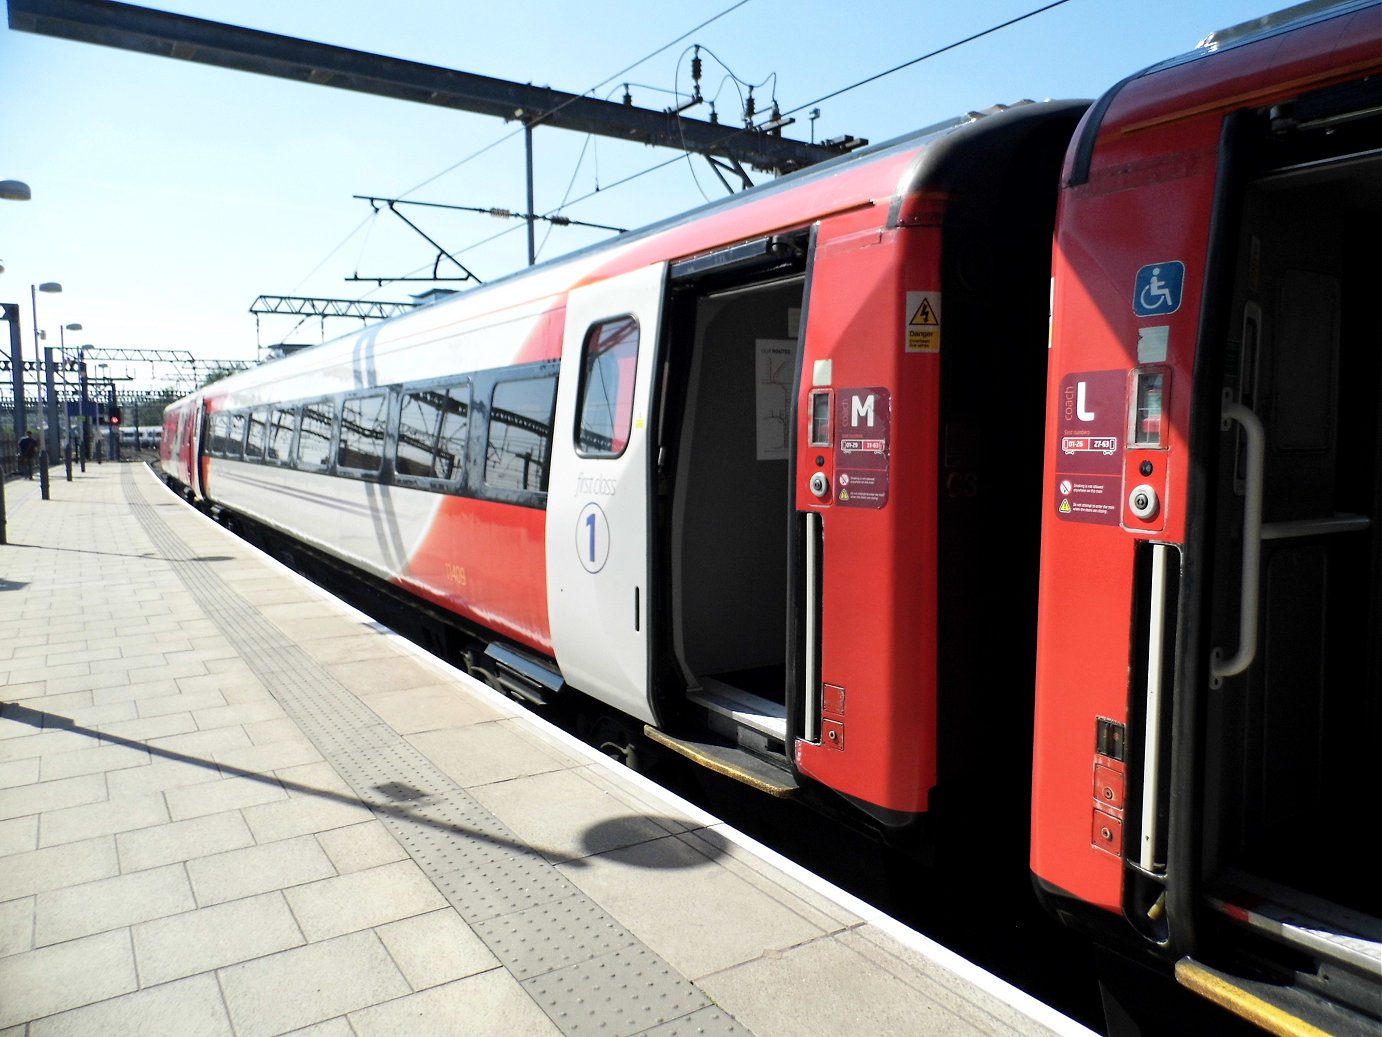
point(713, 474)
point(1209, 660)
point(814, 484)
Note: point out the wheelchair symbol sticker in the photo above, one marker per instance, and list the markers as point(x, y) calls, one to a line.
point(1157, 290)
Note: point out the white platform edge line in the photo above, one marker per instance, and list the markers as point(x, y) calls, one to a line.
point(1017, 998)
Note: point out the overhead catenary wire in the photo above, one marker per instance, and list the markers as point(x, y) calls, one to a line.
point(734, 132)
point(931, 54)
point(589, 91)
point(509, 136)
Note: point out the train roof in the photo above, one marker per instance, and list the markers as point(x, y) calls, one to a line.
point(1199, 77)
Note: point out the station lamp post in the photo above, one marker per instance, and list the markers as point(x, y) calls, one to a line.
point(50, 442)
point(80, 446)
point(85, 397)
point(14, 191)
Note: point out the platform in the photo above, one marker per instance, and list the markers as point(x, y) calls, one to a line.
point(231, 805)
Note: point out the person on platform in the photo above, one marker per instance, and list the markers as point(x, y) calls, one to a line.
point(28, 453)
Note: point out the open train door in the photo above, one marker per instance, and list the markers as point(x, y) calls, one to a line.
point(1292, 687)
point(1209, 669)
point(598, 494)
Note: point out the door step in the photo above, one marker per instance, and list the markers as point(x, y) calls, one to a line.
point(1282, 1009)
point(744, 708)
point(730, 761)
point(1326, 983)
point(1310, 925)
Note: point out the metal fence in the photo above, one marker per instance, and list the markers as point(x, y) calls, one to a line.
point(141, 412)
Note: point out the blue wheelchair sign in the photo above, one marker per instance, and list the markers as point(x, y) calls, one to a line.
point(1157, 290)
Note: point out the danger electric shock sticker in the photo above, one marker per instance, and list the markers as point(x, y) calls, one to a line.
point(923, 322)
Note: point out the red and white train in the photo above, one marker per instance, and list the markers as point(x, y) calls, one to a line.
point(846, 484)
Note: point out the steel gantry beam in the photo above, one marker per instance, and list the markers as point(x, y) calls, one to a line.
point(298, 305)
point(156, 356)
point(250, 50)
point(162, 356)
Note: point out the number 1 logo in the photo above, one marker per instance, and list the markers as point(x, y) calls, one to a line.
point(592, 538)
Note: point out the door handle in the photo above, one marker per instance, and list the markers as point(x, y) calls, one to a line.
point(1249, 596)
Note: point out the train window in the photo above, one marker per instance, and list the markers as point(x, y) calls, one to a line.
point(280, 435)
point(254, 440)
point(520, 433)
point(218, 427)
point(314, 438)
point(363, 423)
point(455, 430)
point(235, 438)
point(605, 406)
point(432, 429)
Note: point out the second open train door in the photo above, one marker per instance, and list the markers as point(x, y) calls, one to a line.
point(1209, 670)
point(848, 482)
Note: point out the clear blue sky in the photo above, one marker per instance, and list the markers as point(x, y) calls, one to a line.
point(168, 195)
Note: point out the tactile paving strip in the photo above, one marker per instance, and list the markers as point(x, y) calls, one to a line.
point(586, 971)
point(626, 991)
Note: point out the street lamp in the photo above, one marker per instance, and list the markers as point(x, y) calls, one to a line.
point(15, 191)
point(50, 440)
point(81, 449)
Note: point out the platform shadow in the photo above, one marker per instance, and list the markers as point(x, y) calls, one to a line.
point(121, 554)
point(625, 839)
point(395, 799)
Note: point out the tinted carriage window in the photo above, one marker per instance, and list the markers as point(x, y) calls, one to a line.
point(314, 439)
point(218, 428)
point(520, 432)
point(280, 436)
point(363, 420)
point(254, 441)
point(604, 412)
point(455, 430)
point(432, 427)
point(235, 438)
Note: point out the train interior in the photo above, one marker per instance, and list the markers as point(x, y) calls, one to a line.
point(728, 522)
point(1291, 767)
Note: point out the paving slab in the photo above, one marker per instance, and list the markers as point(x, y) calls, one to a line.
point(361, 846)
point(258, 869)
point(191, 1006)
point(362, 900)
point(436, 948)
point(310, 984)
point(113, 903)
point(182, 840)
point(213, 937)
point(54, 979)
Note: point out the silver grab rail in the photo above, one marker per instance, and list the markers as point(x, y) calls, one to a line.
point(1249, 593)
point(811, 709)
point(1151, 758)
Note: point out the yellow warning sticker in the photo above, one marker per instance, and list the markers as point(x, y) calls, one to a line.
point(923, 322)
